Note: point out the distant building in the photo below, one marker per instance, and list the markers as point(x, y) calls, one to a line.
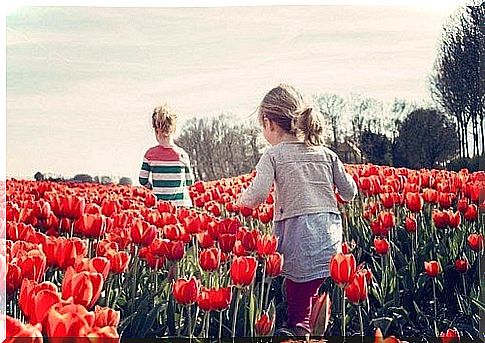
point(349, 152)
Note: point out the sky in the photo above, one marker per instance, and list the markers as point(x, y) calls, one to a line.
point(81, 82)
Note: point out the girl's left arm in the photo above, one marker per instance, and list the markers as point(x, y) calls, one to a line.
point(259, 189)
point(189, 175)
point(145, 173)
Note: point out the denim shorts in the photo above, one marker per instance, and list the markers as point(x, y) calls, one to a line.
point(307, 243)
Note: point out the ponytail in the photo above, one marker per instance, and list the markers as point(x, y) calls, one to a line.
point(311, 125)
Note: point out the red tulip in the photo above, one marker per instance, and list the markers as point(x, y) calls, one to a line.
point(118, 260)
point(266, 245)
point(174, 251)
point(455, 219)
point(444, 199)
point(471, 213)
point(35, 299)
point(98, 264)
point(243, 270)
point(249, 238)
point(26, 332)
point(414, 202)
point(381, 245)
point(205, 240)
point(104, 332)
point(462, 205)
point(13, 279)
point(105, 316)
point(264, 325)
point(440, 219)
point(342, 268)
point(226, 242)
point(430, 195)
point(68, 321)
point(142, 232)
point(475, 241)
point(462, 265)
point(210, 259)
point(274, 264)
point(246, 211)
point(186, 291)
point(90, 225)
point(356, 291)
point(387, 200)
point(214, 299)
point(71, 207)
point(109, 207)
point(32, 264)
point(411, 224)
point(378, 229)
point(432, 268)
point(239, 250)
point(387, 219)
point(84, 287)
point(450, 336)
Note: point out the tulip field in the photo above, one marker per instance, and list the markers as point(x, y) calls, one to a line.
point(89, 260)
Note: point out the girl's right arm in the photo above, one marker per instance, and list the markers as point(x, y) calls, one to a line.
point(259, 189)
point(347, 188)
point(145, 173)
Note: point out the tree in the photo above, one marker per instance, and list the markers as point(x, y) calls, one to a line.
point(457, 83)
point(39, 176)
point(426, 137)
point(332, 106)
point(125, 181)
point(82, 178)
point(219, 149)
point(376, 147)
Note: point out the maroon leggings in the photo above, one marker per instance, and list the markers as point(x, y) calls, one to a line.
point(300, 298)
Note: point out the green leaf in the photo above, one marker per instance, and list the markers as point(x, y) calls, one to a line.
point(477, 303)
point(252, 306)
point(383, 323)
point(125, 322)
point(150, 319)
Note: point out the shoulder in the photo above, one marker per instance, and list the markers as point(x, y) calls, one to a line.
point(159, 153)
point(181, 152)
point(151, 152)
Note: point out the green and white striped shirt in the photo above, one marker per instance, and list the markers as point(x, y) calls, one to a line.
point(170, 172)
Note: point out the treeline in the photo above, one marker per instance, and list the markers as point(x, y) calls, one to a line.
point(84, 178)
point(219, 148)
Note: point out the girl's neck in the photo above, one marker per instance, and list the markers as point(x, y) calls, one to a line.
point(287, 137)
point(165, 141)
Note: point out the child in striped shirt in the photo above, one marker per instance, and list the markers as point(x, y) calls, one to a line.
point(167, 163)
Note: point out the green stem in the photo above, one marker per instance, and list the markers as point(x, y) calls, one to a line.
point(262, 287)
point(464, 284)
point(435, 309)
point(236, 309)
point(220, 325)
point(361, 322)
point(190, 320)
point(343, 313)
point(134, 285)
point(108, 291)
point(267, 293)
point(207, 324)
point(180, 321)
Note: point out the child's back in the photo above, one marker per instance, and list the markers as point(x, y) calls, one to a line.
point(304, 179)
point(168, 164)
point(170, 169)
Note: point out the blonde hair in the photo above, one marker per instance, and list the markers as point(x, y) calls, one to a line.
point(285, 106)
point(164, 120)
